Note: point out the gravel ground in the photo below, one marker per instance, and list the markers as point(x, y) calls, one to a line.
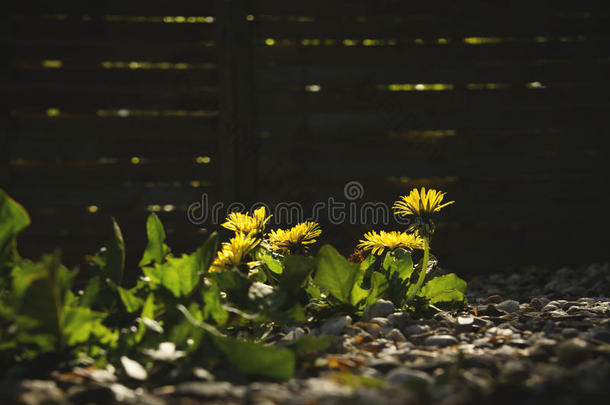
point(528, 337)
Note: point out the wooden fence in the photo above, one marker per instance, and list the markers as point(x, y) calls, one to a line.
point(122, 109)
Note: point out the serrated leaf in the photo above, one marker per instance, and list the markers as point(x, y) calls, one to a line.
point(91, 290)
point(447, 288)
point(296, 271)
point(148, 311)
point(13, 219)
point(80, 323)
point(256, 359)
point(335, 274)
point(401, 265)
point(131, 302)
point(379, 287)
point(213, 305)
point(272, 263)
point(112, 259)
point(156, 249)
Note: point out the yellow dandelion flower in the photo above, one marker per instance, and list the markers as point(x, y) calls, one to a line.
point(234, 252)
point(255, 223)
point(295, 237)
point(421, 203)
point(377, 243)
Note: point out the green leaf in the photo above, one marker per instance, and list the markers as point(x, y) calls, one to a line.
point(213, 305)
point(148, 311)
point(447, 288)
point(368, 262)
point(379, 287)
point(272, 263)
point(309, 344)
point(204, 256)
point(296, 271)
point(235, 284)
point(335, 274)
point(91, 290)
point(39, 289)
point(401, 265)
point(256, 359)
point(112, 259)
point(156, 249)
point(13, 219)
point(79, 324)
point(131, 302)
point(181, 275)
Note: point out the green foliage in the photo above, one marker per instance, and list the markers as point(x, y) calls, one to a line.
point(13, 220)
point(216, 317)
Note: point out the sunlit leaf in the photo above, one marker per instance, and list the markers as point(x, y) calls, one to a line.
point(13, 219)
point(335, 274)
point(156, 249)
point(296, 271)
point(447, 288)
point(131, 302)
point(213, 305)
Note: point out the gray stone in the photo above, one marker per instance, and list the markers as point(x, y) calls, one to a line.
point(399, 319)
point(403, 375)
point(384, 364)
point(396, 336)
point(335, 325)
point(33, 392)
point(381, 308)
point(510, 306)
point(601, 334)
point(440, 340)
point(573, 351)
point(569, 333)
point(209, 390)
point(416, 329)
point(383, 322)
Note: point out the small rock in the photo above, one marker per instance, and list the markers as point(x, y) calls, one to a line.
point(335, 325)
point(403, 375)
point(35, 392)
point(203, 374)
point(510, 306)
point(573, 351)
point(396, 336)
point(382, 308)
point(464, 323)
point(384, 365)
point(416, 329)
point(493, 299)
point(91, 394)
point(399, 319)
point(134, 369)
point(209, 390)
point(294, 334)
point(569, 333)
point(440, 340)
point(601, 334)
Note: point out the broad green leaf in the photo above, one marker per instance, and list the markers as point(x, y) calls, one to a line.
point(79, 324)
point(131, 302)
point(368, 262)
point(112, 259)
point(272, 263)
point(256, 359)
point(148, 311)
point(447, 288)
point(91, 290)
point(401, 265)
point(213, 305)
point(296, 271)
point(309, 344)
point(39, 289)
point(181, 275)
point(235, 284)
point(379, 287)
point(335, 274)
point(156, 249)
point(13, 219)
point(204, 256)
point(185, 330)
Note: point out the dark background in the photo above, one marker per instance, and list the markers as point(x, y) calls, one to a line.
point(504, 105)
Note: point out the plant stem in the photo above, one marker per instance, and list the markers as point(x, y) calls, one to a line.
point(422, 272)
